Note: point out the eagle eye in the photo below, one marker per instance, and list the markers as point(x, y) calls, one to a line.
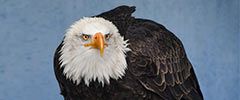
point(107, 36)
point(85, 37)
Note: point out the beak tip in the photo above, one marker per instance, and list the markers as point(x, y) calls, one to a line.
point(101, 53)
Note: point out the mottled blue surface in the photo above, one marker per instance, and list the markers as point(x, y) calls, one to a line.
point(30, 30)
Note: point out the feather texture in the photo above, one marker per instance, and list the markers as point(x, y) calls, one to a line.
point(157, 65)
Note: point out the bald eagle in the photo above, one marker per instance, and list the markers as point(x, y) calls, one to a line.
point(115, 56)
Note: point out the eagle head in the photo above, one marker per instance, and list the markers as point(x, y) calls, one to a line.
point(93, 50)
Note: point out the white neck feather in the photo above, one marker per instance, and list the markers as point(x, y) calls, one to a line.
point(82, 63)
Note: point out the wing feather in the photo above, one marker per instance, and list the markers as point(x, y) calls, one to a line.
point(160, 61)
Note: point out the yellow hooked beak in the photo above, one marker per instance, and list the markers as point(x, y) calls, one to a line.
point(98, 42)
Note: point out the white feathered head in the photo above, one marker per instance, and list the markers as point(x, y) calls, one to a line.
point(93, 50)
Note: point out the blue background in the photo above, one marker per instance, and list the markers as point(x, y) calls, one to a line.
point(30, 30)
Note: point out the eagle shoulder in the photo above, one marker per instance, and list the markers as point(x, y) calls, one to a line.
point(159, 62)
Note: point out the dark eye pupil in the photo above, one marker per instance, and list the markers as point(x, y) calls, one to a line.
point(85, 37)
point(107, 36)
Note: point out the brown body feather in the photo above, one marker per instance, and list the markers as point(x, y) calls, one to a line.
point(158, 68)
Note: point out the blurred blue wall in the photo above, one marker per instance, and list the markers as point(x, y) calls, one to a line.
point(30, 30)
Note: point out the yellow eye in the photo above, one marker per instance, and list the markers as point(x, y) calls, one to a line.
point(107, 36)
point(85, 37)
